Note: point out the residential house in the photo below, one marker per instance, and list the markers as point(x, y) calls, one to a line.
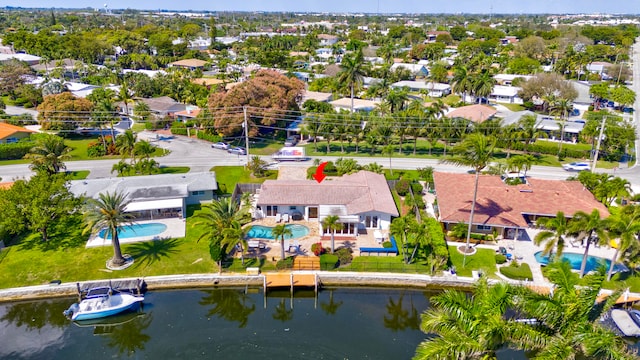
point(190, 113)
point(433, 89)
point(506, 94)
point(327, 39)
point(358, 104)
point(160, 106)
point(433, 35)
point(317, 96)
point(324, 53)
point(507, 40)
point(191, 64)
point(26, 58)
point(549, 124)
point(584, 100)
point(417, 70)
point(153, 196)
point(361, 201)
point(598, 67)
point(208, 82)
point(477, 113)
point(12, 133)
point(507, 79)
point(506, 208)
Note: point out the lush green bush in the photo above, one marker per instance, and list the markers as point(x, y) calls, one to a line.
point(328, 261)
point(501, 259)
point(402, 187)
point(179, 128)
point(209, 137)
point(286, 263)
point(387, 245)
point(317, 249)
point(417, 188)
point(345, 256)
point(15, 150)
point(517, 272)
point(550, 148)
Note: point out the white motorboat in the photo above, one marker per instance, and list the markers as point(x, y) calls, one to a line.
point(102, 302)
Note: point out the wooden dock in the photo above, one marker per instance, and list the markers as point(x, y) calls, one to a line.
point(306, 263)
point(290, 280)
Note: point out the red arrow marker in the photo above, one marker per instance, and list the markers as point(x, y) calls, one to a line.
point(319, 175)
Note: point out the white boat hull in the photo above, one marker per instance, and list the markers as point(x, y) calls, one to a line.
point(104, 306)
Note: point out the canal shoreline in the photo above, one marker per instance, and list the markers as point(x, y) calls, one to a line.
point(327, 279)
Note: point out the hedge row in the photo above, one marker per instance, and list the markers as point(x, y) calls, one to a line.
point(440, 247)
point(552, 149)
point(521, 272)
point(328, 261)
point(15, 150)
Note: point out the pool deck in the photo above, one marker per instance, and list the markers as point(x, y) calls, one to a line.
point(176, 228)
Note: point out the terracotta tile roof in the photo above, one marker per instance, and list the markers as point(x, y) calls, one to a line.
point(189, 63)
point(476, 113)
point(7, 130)
point(6, 185)
point(190, 113)
point(500, 204)
point(360, 192)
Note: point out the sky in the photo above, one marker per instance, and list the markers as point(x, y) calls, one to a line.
point(366, 6)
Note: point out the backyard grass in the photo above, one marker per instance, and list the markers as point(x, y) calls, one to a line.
point(228, 176)
point(483, 260)
point(383, 264)
point(78, 175)
point(513, 107)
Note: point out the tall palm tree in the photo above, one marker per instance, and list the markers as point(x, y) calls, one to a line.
point(569, 317)
point(588, 224)
point(482, 84)
point(399, 228)
point(108, 212)
point(235, 235)
point(396, 98)
point(331, 223)
point(143, 150)
point(529, 130)
point(48, 154)
point(474, 327)
point(352, 72)
point(554, 236)
point(280, 231)
point(561, 107)
point(474, 151)
point(625, 225)
point(125, 144)
point(462, 81)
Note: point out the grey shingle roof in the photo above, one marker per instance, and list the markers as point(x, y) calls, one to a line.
point(360, 192)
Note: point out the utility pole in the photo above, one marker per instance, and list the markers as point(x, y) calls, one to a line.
point(595, 156)
point(245, 125)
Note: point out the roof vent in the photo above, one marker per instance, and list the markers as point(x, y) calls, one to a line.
point(526, 190)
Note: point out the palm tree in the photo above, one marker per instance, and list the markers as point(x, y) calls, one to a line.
point(388, 150)
point(124, 96)
point(474, 151)
point(625, 225)
point(125, 144)
point(331, 223)
point(108, 212)
point(143, 149)
point(352, 72)
point(562, 108)
point(48, 154)
point(280, 231)
point(235, 235)
point(396, 98)
point(520, 163)
point(483, 84)
point(570, 317)
point(400, 226)
point(588, 224)
point(530, 130)
point(474, 327)
point(462, 81)
point(554, 237)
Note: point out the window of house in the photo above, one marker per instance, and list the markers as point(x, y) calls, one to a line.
point(272, 210)
point(197, 193)
point(483, 227)
point(292, 208)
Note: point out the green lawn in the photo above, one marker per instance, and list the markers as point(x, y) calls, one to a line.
point(78, 175)
point(483, 259)
point(229, 176)
point(513, 107)
point(383, 264)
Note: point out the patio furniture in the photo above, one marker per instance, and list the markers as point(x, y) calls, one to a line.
point(253, 244)
point(378, 236)
point(285, 218)
point(278, 217)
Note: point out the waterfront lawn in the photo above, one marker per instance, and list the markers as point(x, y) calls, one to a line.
point(228, 176)
point(483, 260)
point(383, 264)
point(78, 175)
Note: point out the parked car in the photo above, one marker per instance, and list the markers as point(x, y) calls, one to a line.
point(220, 145)
point(237, 151)
point(291, 141)
point(577, 166)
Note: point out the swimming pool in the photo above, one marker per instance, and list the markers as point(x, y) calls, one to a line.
point(593, 262)
point(265, 232)
point(136, 230)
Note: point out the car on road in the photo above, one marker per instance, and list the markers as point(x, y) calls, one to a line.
point(220, 145)
point(577, 166)
point(237, 151)
point(291, 141)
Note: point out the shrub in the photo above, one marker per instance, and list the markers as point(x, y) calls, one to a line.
point(179, 128)
point(402, 187)
point(522, 272)
point(328, 261)
point(286, 263)
point(15, 151)
point(317, 249)
point(95, 149)
point(417, 188)
point(209, 137)
point(345, 255)
point(387, 245)
point(500, 259)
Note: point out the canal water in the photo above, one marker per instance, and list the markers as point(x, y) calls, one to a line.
point(342, 323)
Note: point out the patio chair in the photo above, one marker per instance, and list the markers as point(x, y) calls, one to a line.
point(278, 217)
point(285, 218)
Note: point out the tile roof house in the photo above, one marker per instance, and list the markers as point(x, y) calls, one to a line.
point(11, 133)
point(508, 207)
point(159, 106)
point(434, 89)
point(361, 200)
point(476, 113)
point(190, 64)
point(358, 104)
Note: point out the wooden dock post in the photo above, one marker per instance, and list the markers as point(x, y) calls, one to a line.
point(79, 292)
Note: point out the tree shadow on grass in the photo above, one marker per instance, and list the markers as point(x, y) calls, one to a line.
point(65, 233)
point(148, 252)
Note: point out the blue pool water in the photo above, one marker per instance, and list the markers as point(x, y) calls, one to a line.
point(593, 262)
point(264, 232)
point(129, 231)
